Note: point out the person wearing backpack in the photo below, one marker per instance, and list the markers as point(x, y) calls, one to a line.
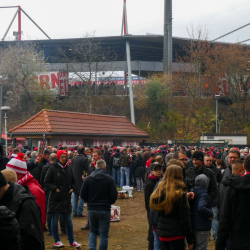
point(116, 165)
point(125, 164)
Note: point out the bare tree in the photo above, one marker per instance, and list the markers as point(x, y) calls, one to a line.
point(87, 60)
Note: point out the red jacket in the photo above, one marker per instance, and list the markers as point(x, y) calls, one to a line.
point(37, 191)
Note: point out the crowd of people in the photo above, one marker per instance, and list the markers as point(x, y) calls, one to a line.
point(191, 194)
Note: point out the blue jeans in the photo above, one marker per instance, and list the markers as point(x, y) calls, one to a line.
point(126, 171)
point(157, 243)
point(99, 221)
point(69, 226)
point(77, 208)
point(116, 175)
point(215, 222)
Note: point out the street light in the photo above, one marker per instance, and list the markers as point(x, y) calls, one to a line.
point(5, 109)
point(216, 97)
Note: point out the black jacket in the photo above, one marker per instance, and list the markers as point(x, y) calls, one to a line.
point(43, 174)
point(234, 215)
point(222, 189)
point(138, 169)
point(37, 171)
point(228, 171)
point(99, 190)
point(217, 173)
point(80, 166)
point(192, 173)
point(176, 223)
point(63, 179)
point(117, 155)
point(149, 187)
point(3, 160)
point(28, 214)
point(9, 230)
point(201, 210)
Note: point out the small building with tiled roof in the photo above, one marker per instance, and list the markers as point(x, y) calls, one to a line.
point(74, 128)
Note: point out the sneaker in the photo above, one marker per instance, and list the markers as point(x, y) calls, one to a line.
point(59, 244)
point(86, 227)
point(75, 244)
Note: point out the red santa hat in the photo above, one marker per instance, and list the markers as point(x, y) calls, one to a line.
point(18, 164)
point(35, 148)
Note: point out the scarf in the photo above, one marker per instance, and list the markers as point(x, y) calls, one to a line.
point(199, 170)
point(23, 179)
point(66, 164)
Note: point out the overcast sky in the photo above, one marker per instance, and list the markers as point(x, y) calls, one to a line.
point(72, 19)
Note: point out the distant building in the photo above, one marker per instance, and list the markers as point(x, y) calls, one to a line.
point(231, 138)
point(73, 128)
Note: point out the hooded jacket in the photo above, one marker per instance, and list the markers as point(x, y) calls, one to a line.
point(234, 215)
point(223, 187)
point(3, 160)
point(117, 155)
point(19, 200)
point(228, 171)
point(37, 191)
point(201, 210)
point(99, 190)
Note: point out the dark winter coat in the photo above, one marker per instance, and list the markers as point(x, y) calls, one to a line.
point(201, 210)
point(217, 173)
point(117, 155)
point(176, 223)
point(99, 190)
point(149, 187)
point(227, 172)
point(37, 171)
point(43, 174)
point(190, 164)
point(138, 169)
point(19, 200)
point(125, 160)
point(63, 179)
point(222, 189)
point(3, 160)
point(106, 157)
point(80, 166)
point(234, 216)
point(9, 230)
point(31, 163)
point(192, 173)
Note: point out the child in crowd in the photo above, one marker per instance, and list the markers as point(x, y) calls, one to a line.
point(202, 214)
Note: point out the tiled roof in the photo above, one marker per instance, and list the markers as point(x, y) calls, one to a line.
point(63, 122)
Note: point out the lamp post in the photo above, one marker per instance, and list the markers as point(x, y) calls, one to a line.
point(216, 97)
point(5, 109)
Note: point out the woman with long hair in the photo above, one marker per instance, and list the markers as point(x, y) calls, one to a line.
point(170, 200)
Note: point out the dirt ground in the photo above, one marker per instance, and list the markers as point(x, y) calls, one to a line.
point(128, 234)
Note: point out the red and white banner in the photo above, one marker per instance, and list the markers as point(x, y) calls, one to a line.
point(69, 143)
point(101, 142)
point(130, 143)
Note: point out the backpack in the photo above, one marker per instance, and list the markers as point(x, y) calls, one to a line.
point(116, 162)
point(9, 229)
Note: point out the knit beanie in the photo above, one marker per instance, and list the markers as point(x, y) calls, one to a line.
point(3, 181)
point(198, 155)
point(60, 152)
point(202, 180)
point(18, 164)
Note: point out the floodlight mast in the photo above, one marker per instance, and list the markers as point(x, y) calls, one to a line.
point(131, 95)
point(19, 33)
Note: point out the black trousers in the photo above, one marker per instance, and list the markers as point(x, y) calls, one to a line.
point(174, 244)
point(150, 238)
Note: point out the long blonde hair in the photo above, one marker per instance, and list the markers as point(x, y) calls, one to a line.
point(169, 191)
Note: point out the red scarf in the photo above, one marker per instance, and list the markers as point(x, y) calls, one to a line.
point(247, 173)
point(153, 177)
point(23, 179)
